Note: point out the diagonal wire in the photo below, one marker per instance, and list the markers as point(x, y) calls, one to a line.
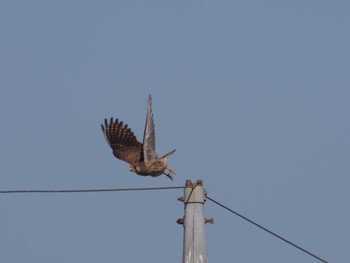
point(189, 196)
point(267, 230)
point(89, 190)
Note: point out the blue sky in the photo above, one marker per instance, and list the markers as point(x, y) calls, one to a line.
point(254, 95)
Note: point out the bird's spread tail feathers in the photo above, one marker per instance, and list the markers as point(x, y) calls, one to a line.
point(168, 154)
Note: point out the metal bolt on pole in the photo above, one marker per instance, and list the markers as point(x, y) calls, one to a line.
point(194, 248)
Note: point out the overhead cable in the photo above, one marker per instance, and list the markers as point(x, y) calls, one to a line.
point(267, 230)
point(89, 190)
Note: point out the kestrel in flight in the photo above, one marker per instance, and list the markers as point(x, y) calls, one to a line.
point(142, 157)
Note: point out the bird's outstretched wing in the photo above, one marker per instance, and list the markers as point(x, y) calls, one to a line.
point(149, 137)
point(122, 141)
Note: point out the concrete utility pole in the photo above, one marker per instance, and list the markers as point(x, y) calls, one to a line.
point(194, 249)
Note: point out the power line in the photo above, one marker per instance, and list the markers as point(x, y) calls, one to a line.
point(89, 190)
point(267, 230)
point(154, 189)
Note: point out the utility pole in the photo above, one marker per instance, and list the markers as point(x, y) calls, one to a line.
point(194, 244)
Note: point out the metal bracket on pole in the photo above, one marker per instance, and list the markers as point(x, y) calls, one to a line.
point(194, 249)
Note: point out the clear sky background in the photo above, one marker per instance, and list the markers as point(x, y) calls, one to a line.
point(254, 95)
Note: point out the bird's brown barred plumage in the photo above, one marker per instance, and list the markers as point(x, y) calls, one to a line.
point(142, 157)
point(122, 141)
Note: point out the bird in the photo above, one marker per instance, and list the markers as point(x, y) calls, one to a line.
point(142, 157)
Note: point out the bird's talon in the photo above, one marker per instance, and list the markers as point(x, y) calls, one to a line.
point(171, 170)
point(170, 177)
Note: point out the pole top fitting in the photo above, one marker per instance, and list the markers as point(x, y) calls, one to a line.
point(180, 221)
point(209, 220)
point(181, 199)
point(189, 183)
point(200, 182)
